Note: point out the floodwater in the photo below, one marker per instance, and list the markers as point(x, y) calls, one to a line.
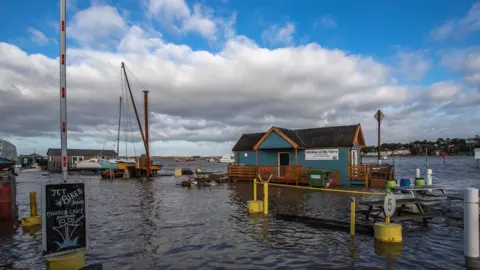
point(157, 225)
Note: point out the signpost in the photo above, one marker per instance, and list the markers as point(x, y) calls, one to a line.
point(379, 117)
point(389, 206)
point(64, 218)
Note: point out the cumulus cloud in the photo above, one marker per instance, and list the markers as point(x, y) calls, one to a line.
point(197, 95)
point(98, 26)
point(458, 27)
point(277, 35)
point(464, 61)
point(326, 22)
point(38, 37)
point(412, 64)
point(178, 16)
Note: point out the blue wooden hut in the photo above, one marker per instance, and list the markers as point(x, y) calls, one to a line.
point(287, 150)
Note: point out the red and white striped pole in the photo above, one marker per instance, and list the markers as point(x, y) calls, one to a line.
point(63, 89)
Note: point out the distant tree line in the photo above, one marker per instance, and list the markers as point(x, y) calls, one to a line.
point(449, 146)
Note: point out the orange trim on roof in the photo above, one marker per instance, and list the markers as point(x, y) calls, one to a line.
point(359, 137)
point(285, 137)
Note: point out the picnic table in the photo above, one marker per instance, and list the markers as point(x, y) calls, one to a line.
point(376, 212)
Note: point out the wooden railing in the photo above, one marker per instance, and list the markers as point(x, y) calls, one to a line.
point(370, 172)
point(297, 175)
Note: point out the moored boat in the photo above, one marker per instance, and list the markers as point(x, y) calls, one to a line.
point(8, 154)
point(227, 159)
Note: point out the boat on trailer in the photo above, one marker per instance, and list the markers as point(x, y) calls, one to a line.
point(8, 154)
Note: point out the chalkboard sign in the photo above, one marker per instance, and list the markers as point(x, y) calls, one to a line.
point(64, 218)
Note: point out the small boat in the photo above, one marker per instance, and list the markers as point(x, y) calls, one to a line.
point(109, 164)
point(89, 164)
point(227, 159)
point(8, 154)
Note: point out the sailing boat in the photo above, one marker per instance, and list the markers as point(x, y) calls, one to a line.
point(116, 163)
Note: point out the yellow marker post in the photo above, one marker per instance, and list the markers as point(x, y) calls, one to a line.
point(33, 204)
point(352, 217)
point(254, 189)
point(255, 206)
point(265, 198)
point(33, 219)
point(386, 231)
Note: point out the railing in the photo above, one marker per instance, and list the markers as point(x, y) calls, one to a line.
point(369, 172)
point(297, 175)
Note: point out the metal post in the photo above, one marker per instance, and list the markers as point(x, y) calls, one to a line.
point(378, 150)
point(147, 142)
point(471, 223)
point(63, 89)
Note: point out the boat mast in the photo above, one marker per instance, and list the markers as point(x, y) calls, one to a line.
point(134, 106)
point(118, 132)
point(63, 89)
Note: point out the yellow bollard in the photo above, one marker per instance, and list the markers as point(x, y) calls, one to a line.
point(352, 217)
point(33, 219)
point(265, 198)
point(388, 232)
point(33, 204)
point(178, 172)
point(69, 261)
point(255, 206)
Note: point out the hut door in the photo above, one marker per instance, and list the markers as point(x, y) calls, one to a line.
point(354, 157)
point(283, 163)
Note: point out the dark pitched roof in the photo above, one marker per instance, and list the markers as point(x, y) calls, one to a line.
point(81, 152)
point(340, 136)
point(247, 141)
point(292, 134)
point(328, 136)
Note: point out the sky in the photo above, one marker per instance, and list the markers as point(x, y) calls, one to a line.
point(218, 68)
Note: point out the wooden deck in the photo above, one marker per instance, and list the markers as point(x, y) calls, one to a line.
point(293, 175)
point(368, 175)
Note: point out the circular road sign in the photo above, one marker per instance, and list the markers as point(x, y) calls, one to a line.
point(389, 205)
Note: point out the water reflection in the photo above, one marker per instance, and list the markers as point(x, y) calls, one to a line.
point(157, 225)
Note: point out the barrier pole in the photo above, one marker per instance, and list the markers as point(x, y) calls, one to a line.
point(352, 216)
point(333, 190)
